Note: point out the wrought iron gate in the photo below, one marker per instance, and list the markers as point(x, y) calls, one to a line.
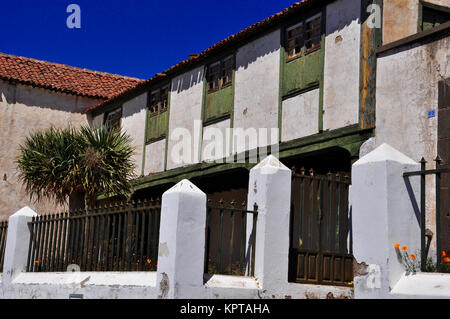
point(319, 238)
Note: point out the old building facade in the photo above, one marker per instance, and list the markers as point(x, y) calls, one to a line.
point(323, 86)
point(35, 95)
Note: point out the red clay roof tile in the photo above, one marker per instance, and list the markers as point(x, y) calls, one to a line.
point(64, 78)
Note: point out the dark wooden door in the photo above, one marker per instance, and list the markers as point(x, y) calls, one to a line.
point(319, 250)
point(444, 153)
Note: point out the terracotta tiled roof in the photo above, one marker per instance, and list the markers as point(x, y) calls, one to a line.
point(248, 32)
point(64, 78)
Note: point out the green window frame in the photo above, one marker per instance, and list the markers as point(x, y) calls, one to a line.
point(157, 113)
point(219, 88)
point(113, 119)
point(303, 44)
point(431, 15)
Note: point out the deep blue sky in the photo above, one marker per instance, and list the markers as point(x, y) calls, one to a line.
point(134, 38)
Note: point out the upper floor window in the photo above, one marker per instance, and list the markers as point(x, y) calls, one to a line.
point(220, 74)
point(112, 119)
point(306, 34)
point(432, 16)
point(158, 100)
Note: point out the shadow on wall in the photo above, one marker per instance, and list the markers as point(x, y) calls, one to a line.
point(42, 98)
point(187, 80)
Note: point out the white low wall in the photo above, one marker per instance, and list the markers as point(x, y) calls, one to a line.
point(181, 251)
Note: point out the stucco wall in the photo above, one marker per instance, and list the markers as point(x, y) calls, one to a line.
point(211, 133)
point(133, 123)
point(300, 116)
point(257, 85)
point(407, 88)
point(24, 109)
point(155, 157)
point(342, 60)
point(185, 108)
point(401, 18)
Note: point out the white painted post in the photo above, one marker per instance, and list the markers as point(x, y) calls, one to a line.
point(384, 212)
point(270, 189)
point(181, 242)
point(17, 242)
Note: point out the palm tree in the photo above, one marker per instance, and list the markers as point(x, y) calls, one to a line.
point(65, 163)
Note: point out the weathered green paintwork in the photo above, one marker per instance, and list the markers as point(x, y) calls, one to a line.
point(301, 72)
point(219, 103)
point(157, 125)
point(349, 138)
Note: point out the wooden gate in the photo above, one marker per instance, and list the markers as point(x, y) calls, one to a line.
point(319, 238)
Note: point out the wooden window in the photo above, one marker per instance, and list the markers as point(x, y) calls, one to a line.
point(295, 40)
point(432, 17)
point(158, 101)
point(220, 74)
point(306, 34)
point(313, 33)
point(157, 115)
point(112, 119)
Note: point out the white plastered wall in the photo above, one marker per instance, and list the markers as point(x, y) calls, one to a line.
point(133, 124)
point(185, 108)
point(342, 61)
point(257, 85)
point(300, 116)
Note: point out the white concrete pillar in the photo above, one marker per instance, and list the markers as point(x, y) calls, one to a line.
point(181, 242)
point(270, 189)
point(17, 243)
point(384, 212)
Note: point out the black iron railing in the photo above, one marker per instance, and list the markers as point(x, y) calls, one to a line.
point(227, 249)
point(120, 237)
point(442, 237)
point(3, 233)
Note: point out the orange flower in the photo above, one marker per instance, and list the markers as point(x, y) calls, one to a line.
point(447, 259)
point(413, 256)
point(404, 248)
point(396, 246)
point(444, 253)
point(149, 261)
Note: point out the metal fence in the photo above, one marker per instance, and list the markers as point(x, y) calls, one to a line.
point(320, 252)
point(226, 245)
point(3, 233)
point(120, 237)
point(442, 210)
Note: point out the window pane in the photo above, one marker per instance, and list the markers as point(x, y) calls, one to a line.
point(313, 33)
point(227, 71)
point(213, 76)
point(295, 41)
point(113, 120)
point(154, 103)
point(164, 99)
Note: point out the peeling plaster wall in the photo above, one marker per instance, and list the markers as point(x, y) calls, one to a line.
point(257, 85)
point(24, 109)
point(300, 116)
point(133, 123)
point(401, 18)
point(407, 88)
point(155, 157)
point(342, 60)
point(185, 108)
